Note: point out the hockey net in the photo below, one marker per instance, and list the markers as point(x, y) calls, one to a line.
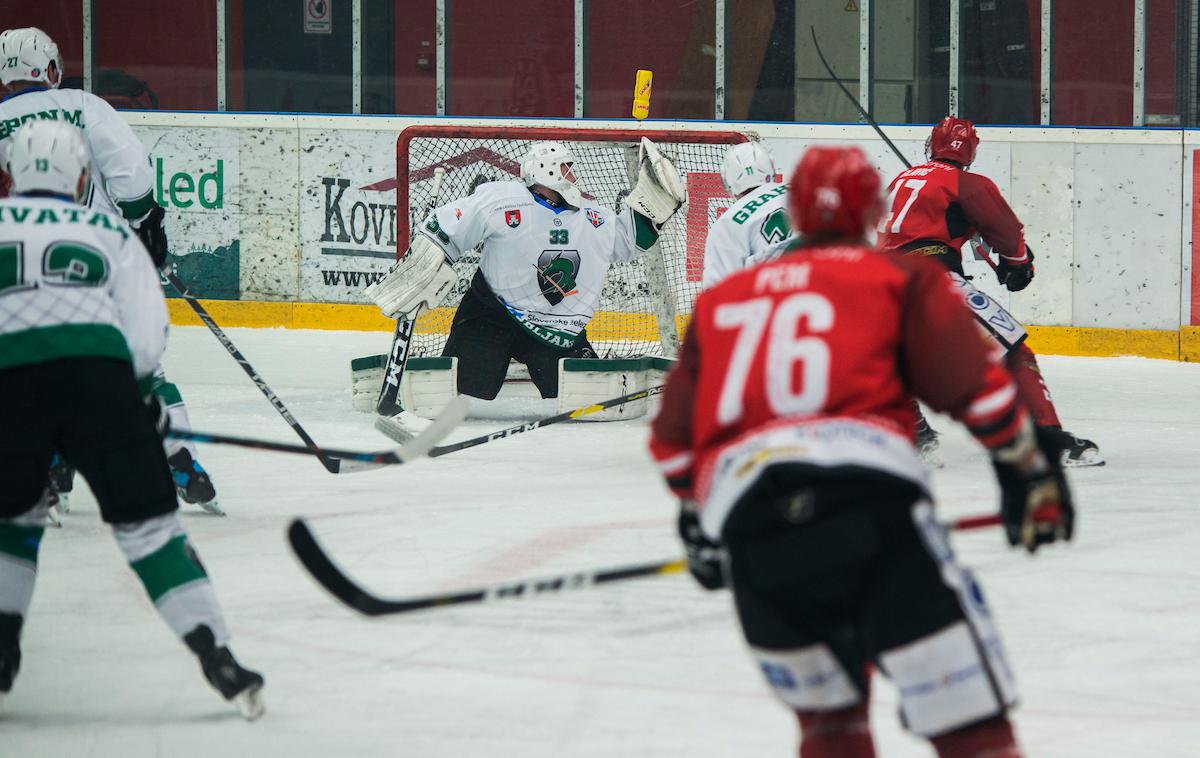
point(646, 303)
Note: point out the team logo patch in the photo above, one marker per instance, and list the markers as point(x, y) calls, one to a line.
point(512, 218)
point(594, 217)
point(557, 271)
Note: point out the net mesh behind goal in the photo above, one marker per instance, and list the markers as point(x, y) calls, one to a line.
point(645, 302)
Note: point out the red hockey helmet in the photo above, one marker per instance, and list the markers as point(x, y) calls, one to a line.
point(834, 190)
point(953, 139)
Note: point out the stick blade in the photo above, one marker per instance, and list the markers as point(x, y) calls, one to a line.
point(328, 575)
point(450, 417)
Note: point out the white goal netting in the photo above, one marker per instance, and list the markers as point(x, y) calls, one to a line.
point(646, 303)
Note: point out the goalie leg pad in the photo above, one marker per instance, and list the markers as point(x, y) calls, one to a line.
point(420, 277)
point(583, 381)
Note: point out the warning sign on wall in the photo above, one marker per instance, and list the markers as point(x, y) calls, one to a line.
point(318, 18)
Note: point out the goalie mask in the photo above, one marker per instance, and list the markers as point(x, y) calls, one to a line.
point(550, 164)
point(26, 55)
point(48, 156)
point(745, 167)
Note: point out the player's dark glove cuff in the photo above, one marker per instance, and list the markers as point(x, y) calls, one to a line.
point(150, 231)
point(1018, 277)
point(704, 557)
point(158, 414)
point(1036, 507)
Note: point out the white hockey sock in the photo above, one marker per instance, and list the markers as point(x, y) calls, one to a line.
point(158, 550)
point(20, 539)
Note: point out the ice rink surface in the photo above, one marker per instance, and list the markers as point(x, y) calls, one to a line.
point(1104, 634)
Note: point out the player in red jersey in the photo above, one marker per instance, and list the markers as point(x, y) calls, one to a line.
point(787, 430)
point(933, 210)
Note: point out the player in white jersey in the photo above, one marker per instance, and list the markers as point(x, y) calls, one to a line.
point(121, 182)
point(755, 228)
point(82, 328)
point(546, 252)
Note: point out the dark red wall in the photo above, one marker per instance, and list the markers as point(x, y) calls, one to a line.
point(61, 19)
point(1093, 61)
point(512, 58)
point(170, 46)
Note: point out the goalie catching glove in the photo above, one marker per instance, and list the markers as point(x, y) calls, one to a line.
point(422, 277)
point(659, 191)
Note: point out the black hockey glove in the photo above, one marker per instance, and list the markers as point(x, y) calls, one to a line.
point(1015, 278)
point(150, 231)
point(703, 555)
point(1035, 500)
point(158, 414)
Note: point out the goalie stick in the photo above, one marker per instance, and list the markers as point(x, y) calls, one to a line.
point(388, 403)
point(586, 410)
point(977, 243)
point(317, 562)
point(331, 465)
point(350, 460)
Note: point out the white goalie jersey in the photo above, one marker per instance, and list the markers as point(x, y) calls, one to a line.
point(122, 178)
point(753, 230)
point(547, 265)
point(76, 282)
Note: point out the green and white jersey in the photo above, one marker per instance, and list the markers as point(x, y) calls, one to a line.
point(547, 265)
point(753, 230)
point(76, 282)
point(122, 177)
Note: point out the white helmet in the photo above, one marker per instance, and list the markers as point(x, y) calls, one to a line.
point(543, 165)
point(48, 156)
point(26, 55)
point(747, 165)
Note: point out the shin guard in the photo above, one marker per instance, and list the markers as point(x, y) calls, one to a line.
point(158, 551)
point(1023, 366)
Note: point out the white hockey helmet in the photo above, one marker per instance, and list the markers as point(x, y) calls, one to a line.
point(49, 156)
point(26, 55)
point(747, 165)
point(543, 165)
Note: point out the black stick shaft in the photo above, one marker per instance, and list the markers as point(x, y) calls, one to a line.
point(342, 587)
point(386, 456)
point(331, 465)
point(531, 426)
point(858, 106)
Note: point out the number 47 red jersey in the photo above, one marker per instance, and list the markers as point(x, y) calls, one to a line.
point(815, 358)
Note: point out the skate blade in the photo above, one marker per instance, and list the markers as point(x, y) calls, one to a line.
point(54, 517)
point(212, 506)
point(1086, 458)
point(250, 703)
point(64, 503)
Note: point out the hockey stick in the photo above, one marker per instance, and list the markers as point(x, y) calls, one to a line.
point(332, 466)
point(586, 410)
point(317, 562)
point(351, 460)
point(388, 403)
point(976, 241)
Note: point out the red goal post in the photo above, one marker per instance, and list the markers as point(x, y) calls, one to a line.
point(641, 298)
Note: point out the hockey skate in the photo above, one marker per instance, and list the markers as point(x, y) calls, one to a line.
point(10, 651)
point(62, 481)
point(192, 482)
point(239, 685)
point(1076, 451)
